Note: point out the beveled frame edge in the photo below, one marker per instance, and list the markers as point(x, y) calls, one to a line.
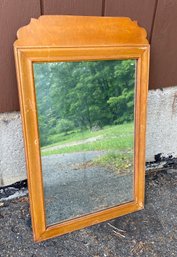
point(24, 58)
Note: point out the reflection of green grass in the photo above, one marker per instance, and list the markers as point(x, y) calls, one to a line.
point(107, 131)
point(119, 137)
point(116, 161)
point(62, 138)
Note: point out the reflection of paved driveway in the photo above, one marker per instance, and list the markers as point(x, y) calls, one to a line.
point(68, 165)
point(73, 188)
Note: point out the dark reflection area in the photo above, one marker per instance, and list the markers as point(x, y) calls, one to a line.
point(86, 125)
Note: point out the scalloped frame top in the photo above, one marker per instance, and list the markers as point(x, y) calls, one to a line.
point(80, 31)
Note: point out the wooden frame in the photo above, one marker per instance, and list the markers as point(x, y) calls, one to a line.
point(51, 38)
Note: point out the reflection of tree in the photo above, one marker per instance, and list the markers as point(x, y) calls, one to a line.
point(84, 94)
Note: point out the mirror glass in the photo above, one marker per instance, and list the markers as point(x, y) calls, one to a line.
point(86, 126)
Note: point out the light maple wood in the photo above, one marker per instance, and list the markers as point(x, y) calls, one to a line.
point(80, 31)
point(66, 38)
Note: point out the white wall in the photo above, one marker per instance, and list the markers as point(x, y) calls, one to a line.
point(161, 135)
point(12, 164)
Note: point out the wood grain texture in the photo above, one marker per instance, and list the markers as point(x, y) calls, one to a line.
point(13, 15)
point(120, 45)
point(72, 7)
point(24, 59)
point(108, 31)
point(141, 11)
point(163, 70)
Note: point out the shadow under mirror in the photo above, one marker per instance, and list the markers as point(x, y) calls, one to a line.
point(86, 125)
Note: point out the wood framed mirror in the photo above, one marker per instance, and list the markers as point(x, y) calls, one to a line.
point(83, 85)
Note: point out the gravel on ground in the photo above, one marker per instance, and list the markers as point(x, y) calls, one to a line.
point(150, 232)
